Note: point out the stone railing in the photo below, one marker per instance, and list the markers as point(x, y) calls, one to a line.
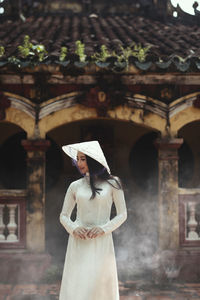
point(189, 217)
point(12, 219)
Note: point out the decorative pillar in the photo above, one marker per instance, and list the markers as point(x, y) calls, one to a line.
point(35, 233)
point(12, 226)
point(168, 193)
point(192, 223)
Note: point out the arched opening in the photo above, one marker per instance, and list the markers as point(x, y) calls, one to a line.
point(12, 157)
point(142, 233)
point(189, 156)
point(144, 162)
point(54, 163)
point(118, 139)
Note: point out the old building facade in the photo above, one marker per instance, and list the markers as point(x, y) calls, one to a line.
point(145, 111)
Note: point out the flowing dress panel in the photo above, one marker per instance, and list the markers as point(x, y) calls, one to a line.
point(90, 271)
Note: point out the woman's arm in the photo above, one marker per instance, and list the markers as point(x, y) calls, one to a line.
point(68, 206)
point(121, 216)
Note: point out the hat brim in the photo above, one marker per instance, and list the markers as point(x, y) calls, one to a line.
point(91, 149)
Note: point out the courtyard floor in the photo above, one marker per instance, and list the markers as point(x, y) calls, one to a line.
point(130, 290)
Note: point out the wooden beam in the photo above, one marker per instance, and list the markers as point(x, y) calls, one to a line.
point(154, 79)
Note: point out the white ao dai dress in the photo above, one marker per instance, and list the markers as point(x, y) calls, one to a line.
point(90, 271)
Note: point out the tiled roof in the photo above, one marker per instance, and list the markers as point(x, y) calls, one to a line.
point(55, 31)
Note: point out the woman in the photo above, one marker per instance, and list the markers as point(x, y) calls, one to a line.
point(90, 268)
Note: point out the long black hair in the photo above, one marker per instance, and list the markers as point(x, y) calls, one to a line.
point(98, 171)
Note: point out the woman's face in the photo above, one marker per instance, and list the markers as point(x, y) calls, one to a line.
point(82, 163)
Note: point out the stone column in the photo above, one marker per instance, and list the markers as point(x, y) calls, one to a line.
point(168, 193)
point(35, 231)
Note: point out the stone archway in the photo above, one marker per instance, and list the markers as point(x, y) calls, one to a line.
point(21, 113)
point(184, 111)
point(141, 110)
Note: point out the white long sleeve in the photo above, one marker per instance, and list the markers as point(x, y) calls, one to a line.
point(90, 264)
point(121, 216)
point(68, 206)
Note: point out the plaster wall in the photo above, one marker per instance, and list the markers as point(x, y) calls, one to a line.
point(21, 119)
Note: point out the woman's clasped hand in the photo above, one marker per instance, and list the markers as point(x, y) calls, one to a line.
point(83, 233)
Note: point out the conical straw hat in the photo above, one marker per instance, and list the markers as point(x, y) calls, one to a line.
point(92, 149)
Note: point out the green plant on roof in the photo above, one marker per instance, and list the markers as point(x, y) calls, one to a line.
point(14, 61)
point(40, 52)
point(140, 52)
point(63, 54)
point(27, 49)
point(180, 58)
point(124, 54)
point(27, 42)
point(2, 51)
point(102, 55)
point(80, 51)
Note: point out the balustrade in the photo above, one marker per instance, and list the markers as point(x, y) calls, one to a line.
point(189, 217)
point(9, 232)
point(12, 219)
point(2, 225)
point(192, 224)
